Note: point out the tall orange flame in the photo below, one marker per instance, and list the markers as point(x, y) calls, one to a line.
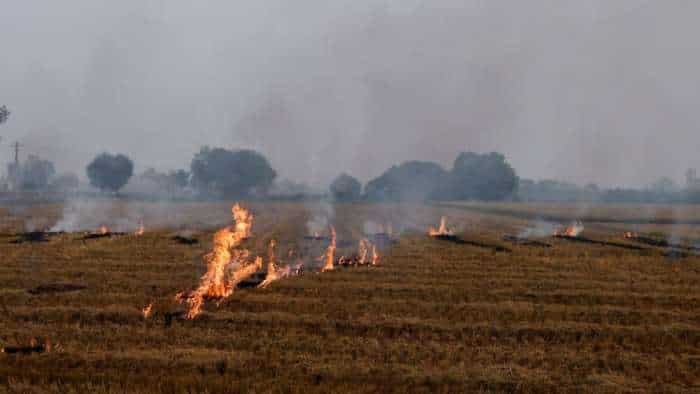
point(226, 266)
point(329, 255)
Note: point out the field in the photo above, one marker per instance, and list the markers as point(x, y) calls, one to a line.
point(434, 316)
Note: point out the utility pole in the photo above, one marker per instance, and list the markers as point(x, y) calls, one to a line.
point(16, 145)
point(13, 169)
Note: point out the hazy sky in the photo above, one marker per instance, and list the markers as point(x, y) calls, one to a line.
point(600, 90)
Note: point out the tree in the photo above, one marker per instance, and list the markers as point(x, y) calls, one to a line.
point(4, 114)
point(36, 173)
point(410, 181)
point(178, 179)
point(482, 177)
point(154, 183)
point(228, 173)
point(664, 185)
point(346, 188)
point(110, 172)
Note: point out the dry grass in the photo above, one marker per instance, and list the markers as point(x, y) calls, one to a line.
point(435, 317)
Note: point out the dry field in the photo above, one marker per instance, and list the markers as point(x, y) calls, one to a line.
point(435, 316)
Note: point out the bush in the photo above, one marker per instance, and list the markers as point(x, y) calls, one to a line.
point(346, 188)
point(410, 181)
point(110, 172)
point(228, 173)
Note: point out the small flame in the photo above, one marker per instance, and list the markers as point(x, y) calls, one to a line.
point(375, 255)
point(147, 310)
point(442, 230)
point(629, 234)
point(364, 248)
point(329, 255)
point(140, 230)
point(572, 230)
point(273, 273)
point(104, 230)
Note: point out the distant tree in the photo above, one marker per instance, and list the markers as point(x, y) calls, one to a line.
point(664, 185)
point(110, 172)
point(346, 188)
point(36, 173)
point(624, 195)
point(154, 183)
point(226, 173)
point(288, 189)
point(553, 190)
point(410, 181)
point(482, 177)
point(179, 179)
point(4, 114)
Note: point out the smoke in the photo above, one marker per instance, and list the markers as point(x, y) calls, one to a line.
point(88, 215)
point(562, 88)
point(372, 227)
point(540, 229)
point(321, 217)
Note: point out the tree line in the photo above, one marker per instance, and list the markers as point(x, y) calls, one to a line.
point(473, 176)
point(223, 173)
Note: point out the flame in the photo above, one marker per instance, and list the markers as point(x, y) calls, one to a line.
point(140, 230)
point(226, 265)
point(362, 251)
point(329, 255)
point(104, 230)
point(442, 230)
point(572, 230)
point(147, 310)
point(364, 248)
point(375, 255)
point(629, 234)
point(273, 273)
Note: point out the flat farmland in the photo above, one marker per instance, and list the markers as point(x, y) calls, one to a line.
point(485, 315)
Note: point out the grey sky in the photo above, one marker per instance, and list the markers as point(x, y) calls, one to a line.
point(602, 91)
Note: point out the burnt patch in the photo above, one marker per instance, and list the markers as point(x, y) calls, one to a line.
point(461, 241)
point(52, 288)
point(102, 235)
point(316, 238)
point(24, 350)
point(35, 236)
point(252, 281)
point(526, 241)
point(675, 253)
point(185, 240)
point(661, 243)
point(601, 243)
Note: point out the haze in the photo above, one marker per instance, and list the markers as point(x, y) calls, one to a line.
point(595, 91)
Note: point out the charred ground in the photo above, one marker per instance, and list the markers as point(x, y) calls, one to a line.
point(435, 316)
